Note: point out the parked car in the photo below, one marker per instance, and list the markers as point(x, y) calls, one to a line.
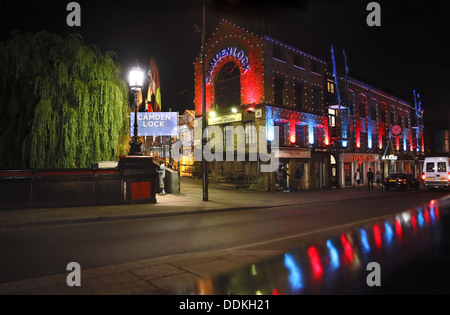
point(436, 172)
point(401, 181)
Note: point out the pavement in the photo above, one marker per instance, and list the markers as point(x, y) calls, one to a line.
point(163, 275)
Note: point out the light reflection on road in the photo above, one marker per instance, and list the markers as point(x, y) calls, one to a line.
point(337, 265)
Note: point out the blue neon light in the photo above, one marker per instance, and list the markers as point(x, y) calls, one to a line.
point(311, 133)
point(432, 214)
point(270, 131)
point(334, 255)
point(388, 232)
point(295, 276)
point(364, 241)
point(404, 143)
point(420, 219)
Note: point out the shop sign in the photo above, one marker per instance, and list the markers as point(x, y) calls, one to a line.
point(295, 154)
point(234, 52)
point(389, 157)
point(364, 157)
point(155, 124)
point(185, 135)
point(224, 119)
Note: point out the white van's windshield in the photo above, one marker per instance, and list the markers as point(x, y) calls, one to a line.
point(430, 167)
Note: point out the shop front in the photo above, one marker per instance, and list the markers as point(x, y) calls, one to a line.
point(349, 163)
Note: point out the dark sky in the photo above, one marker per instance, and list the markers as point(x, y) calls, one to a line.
point(408, 51)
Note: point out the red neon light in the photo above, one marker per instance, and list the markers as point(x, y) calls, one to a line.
point(377, 235)
point(398, 228)
point(426, 214)
point(413, 220)
point(292, 130)
point(348, 250)
point(315, 261)
point(276, 292)
point(292, 139)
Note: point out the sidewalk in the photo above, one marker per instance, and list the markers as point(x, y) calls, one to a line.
point(164, 275)
point(188, 201)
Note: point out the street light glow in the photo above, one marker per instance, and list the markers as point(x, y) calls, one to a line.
point(136, 78)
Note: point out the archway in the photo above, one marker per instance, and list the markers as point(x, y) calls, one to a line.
point(227, 88)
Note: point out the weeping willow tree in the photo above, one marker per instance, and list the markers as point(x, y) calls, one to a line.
point(63, 104)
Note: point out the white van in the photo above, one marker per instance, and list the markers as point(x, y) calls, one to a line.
point(436, 172)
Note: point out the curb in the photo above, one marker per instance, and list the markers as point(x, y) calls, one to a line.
point(96, 219)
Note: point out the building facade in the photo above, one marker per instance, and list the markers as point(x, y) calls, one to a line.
point(255, 83)
point(364, 123)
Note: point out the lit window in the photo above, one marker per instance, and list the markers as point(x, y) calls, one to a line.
point(330, 87)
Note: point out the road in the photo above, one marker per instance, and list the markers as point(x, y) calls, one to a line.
point(36, 252)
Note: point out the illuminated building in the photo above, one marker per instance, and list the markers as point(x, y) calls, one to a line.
point(361, 129)
point(255, 81)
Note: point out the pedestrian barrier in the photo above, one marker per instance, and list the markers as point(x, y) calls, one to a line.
point(133, 181)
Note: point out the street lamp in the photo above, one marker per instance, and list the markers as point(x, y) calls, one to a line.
point(204, 121)
point(136, 82)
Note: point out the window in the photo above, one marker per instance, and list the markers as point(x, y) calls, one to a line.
point(315, 67)
point(319, 136)
point(298, 90)
point(283, 132)
point(382, 115)
point(392, 118)
point(406, 122)
point(278, 53)
point(373, 112)
point(362, 110)
point(300, 135)
point(399, 120)
point(430, 167)
point(441, 167)
point(250, 133)
point(332, 117)
point(278, 87)
point(316, 105)
point(228, 130)
point(331, 86)
point(299, 61)
point(227, 88)
point(351, 107)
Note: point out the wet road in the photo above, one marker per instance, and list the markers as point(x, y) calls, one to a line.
point(30, 253)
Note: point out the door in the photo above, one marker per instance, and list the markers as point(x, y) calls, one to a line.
point(333, 179)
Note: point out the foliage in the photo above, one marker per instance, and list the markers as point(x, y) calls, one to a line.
point(63, 104)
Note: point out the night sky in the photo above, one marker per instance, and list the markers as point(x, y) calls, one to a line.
point(408, 51)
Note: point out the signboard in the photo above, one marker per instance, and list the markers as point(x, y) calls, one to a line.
point(155, 124)
point(389, 157)
point(237, 54)
point(225, 119)
point(295, 154)
point(185, 135)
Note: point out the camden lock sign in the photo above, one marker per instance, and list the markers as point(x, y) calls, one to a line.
point(237, 54)
point(155, 124)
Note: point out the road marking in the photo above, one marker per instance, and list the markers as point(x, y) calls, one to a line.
point(303, 234)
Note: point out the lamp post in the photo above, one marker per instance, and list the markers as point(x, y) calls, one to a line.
point(204, 121)
point(136, 82)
